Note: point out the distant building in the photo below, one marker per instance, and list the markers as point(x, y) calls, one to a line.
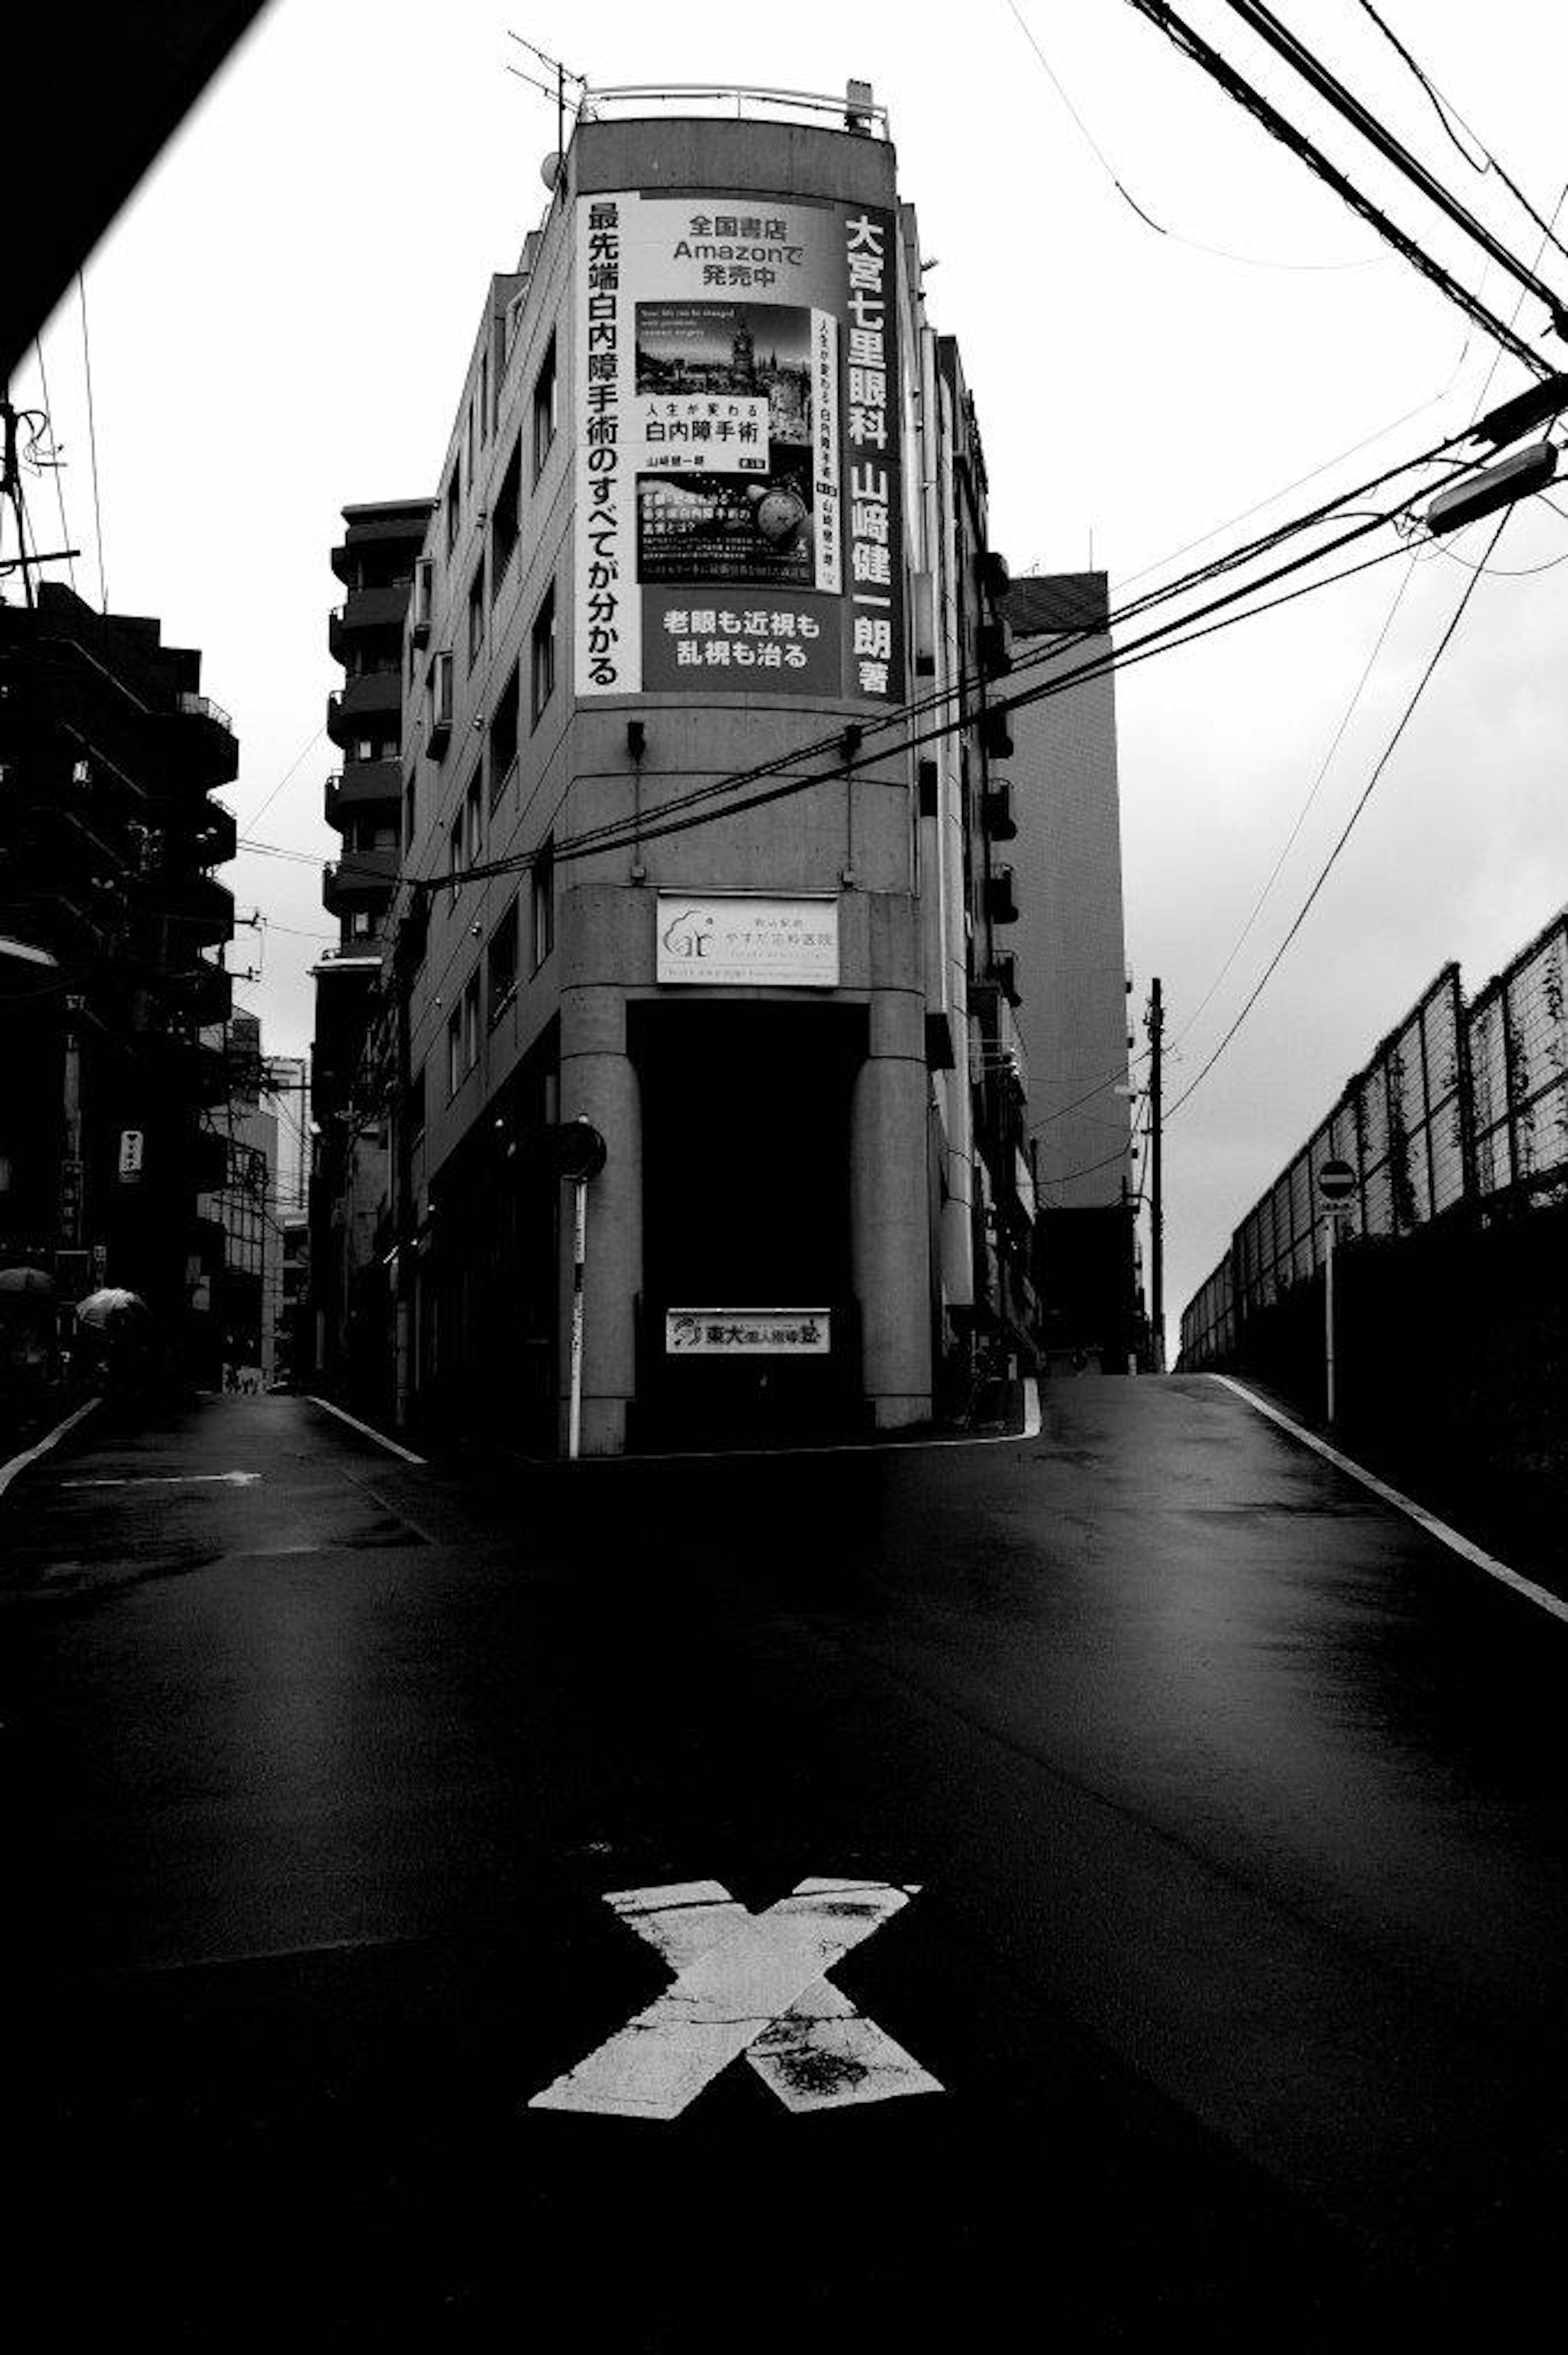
point(351, 1204)
point(110, 919)
point(1069, 963)
point(714, 504)
point(245, 1285)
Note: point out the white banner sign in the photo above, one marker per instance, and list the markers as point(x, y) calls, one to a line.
point(747, 1332)
point(740, 938)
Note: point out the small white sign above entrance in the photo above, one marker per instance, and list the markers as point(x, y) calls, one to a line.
point(747, 1332)
point(732, 939)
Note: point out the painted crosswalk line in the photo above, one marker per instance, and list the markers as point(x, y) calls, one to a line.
point(752, 1984)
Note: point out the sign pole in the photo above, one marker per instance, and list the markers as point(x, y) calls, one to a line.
point(1331, 1221)
point(580, 1254)
point(1336, 1184)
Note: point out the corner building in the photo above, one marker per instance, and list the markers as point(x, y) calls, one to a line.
point(711, 512)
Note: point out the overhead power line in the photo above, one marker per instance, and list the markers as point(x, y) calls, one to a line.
point(1328, 866)
point(1237, 86)
point(1443, 108)
point(1199, 245)
point(1316, 76)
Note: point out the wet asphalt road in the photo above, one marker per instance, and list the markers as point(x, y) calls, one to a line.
point(1233, 1802)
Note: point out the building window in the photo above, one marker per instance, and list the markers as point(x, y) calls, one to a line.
point(476, 613)
point(484, 397)
point(502, 957)
point(543, 903)
point(454, 502)
point(504, 523)
point(503, 738)
point(544, 409)
point(544, 652)
point(473, 816)
point(414, 1107)
point(408, 814)
point(470, 1023)
point(361, 924)
point(454, 852)
point(454, 1053)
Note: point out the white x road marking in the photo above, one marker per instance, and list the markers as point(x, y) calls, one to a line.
point(747, 1983)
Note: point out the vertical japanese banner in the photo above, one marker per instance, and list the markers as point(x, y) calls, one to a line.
point(738, 525)
point(608, 618)
point(875, 534)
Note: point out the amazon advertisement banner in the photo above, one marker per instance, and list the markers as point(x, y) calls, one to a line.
point(737, 518)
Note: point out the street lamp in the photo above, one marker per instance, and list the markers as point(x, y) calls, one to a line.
point(1495, 486)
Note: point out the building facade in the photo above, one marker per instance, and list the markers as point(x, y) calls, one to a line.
point(712, 516)
point(350, 1202)
point(110, 919)
point(1069, 956)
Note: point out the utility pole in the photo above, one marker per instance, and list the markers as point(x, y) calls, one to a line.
point(1155, 1019)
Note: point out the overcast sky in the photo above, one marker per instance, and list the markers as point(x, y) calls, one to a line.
point(281, 319)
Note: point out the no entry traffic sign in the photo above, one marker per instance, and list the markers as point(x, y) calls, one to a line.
point(1336, 1181)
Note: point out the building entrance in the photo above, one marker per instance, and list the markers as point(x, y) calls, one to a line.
point(745, 1160)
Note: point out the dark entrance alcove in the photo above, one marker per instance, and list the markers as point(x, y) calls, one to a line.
point(745, 1204)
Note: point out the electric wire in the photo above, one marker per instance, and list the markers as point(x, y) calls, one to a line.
point(1219, 252)
point(1328, 86)
point(1444, 108)
point(1279, 127)
point(93, 443)
point(1328, 866)
point(60, 486)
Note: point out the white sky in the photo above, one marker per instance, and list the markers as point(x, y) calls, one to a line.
point(281, 319)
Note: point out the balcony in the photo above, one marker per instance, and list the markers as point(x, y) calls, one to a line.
point(366, 609)
point(999, 904)
point(360, 879)
point(205, 993)
point(376, 698)
point(201, 911)
point(364, 784)
point(217, 837)
point(195, 742)
point(997, 815)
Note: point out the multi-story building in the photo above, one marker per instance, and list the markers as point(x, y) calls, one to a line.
point(109, 913)
point(375, 563)
point(712, 513)
point(1069, 959)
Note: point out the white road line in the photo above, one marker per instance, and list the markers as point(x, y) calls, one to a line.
point(1403, 1504)
point(167, 1480)
point(747, 1983)
point(8, 1471)
point(355, 1424)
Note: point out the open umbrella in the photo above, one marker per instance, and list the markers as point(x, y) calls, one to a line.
point(112, 1306)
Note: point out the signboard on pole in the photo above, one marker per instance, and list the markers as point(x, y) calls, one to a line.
point(738, 524)
point(1336, 1182)
point(132, 1143)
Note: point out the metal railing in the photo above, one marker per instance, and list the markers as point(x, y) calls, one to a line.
point(866, 118)
point(202, 707)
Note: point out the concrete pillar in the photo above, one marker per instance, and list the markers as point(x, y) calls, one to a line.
point(599, 1082)
point(890, 1222)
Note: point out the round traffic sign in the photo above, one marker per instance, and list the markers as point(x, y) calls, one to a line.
point(1336, 1181)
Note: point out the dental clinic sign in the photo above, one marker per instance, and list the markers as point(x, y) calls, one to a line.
point(734, 938)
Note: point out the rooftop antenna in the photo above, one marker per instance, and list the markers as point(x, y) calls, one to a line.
point(563, 76)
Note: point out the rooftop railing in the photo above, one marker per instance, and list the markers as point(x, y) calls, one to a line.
point(855, 110)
